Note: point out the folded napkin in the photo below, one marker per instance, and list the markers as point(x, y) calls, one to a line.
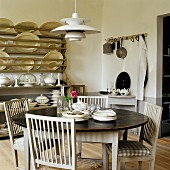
point(106, 113)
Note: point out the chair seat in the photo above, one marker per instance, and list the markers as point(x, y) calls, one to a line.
point(131, 148)
point(19, 144)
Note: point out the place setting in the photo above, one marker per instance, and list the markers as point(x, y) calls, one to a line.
point(78, 115)
point(104, 115)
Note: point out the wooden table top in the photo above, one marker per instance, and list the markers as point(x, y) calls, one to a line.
point(125, 120)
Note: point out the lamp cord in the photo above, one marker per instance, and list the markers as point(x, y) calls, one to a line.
point(75, 5)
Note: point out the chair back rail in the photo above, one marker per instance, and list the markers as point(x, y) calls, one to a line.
point(149, 132)
point(12, 108)
point(52, 141)
point(102, 100)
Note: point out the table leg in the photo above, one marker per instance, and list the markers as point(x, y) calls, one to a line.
point(105, 157)
point(125, 135)
point(26, 150)
point(114, 150)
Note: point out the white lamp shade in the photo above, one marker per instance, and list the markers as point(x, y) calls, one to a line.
point(75, 36)
point(84, 28)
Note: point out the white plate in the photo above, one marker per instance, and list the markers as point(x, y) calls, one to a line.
point(43, 104)
point(71, 115)
point(23, 62)
point(48, 26)
point(5, 22)
point(51, 65)
point(105, 113)
point(37, 62)
point(55, 98)
point(55, 102)
point(82, 119)
point(25, 27)
point(26, 36)
point(3, 61)
point(2, 42)
point(105, 118)
point(28, 84)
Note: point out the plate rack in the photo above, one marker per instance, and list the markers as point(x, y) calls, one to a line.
point(45, 43)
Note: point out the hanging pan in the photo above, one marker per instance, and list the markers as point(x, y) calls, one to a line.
point(121, 52)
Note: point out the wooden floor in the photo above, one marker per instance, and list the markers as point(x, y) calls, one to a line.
point(93, 150)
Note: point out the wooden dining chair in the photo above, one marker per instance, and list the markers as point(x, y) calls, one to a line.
point(145, 148)
point(53, 144)
point(103, 101)
point(17, 144)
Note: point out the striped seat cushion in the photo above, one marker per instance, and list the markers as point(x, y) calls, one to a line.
point(131, 148)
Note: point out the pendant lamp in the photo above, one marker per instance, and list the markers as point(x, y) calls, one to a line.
point(75, 28)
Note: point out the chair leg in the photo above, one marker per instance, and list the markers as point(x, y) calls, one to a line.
point(79, 149)
point(123, 165)
point(105, 156)
point(139, 165)
point(15, 157)
point(151, 164)
point(118, 164)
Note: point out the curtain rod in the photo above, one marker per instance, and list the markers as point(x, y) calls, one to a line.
point(130, 37)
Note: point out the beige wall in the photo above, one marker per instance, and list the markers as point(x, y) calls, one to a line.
point(86, 63)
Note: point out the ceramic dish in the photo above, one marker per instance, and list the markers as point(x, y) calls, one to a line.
point(32, 104)
point(27, 77)
point(104, 118)
point(82, 119)
point(25, 27)
point(55, 101)
point(55, 98)
point(5, 24)
point(3, 61)
point(23, 62)
point(105, 113)
point(28, 84)
point(37, 62)
point(26, 36)
point(48, 26)
point(51, 65)
point(43, 104)
point(75, 114)
point(2, 42)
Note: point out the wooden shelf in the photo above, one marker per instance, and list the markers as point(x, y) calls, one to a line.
point(35, 87)
point(14, 46)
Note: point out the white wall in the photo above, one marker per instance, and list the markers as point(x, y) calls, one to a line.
point(123, 18)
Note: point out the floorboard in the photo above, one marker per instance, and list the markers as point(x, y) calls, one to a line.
point(94, 151)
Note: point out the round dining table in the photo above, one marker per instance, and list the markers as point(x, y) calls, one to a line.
point(92, 130)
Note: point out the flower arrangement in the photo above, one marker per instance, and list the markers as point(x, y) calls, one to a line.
point(71, 96)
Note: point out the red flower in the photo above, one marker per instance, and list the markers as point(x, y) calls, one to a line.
point(73, 94)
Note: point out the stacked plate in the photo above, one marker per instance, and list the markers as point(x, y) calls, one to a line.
point(77, 115)
point(56, 94)
point(104, 115)
point(52, 55)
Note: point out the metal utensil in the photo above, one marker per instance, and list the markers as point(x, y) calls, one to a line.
point(121, 52)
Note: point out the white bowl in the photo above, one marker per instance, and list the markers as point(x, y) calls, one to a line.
point(32, 105)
